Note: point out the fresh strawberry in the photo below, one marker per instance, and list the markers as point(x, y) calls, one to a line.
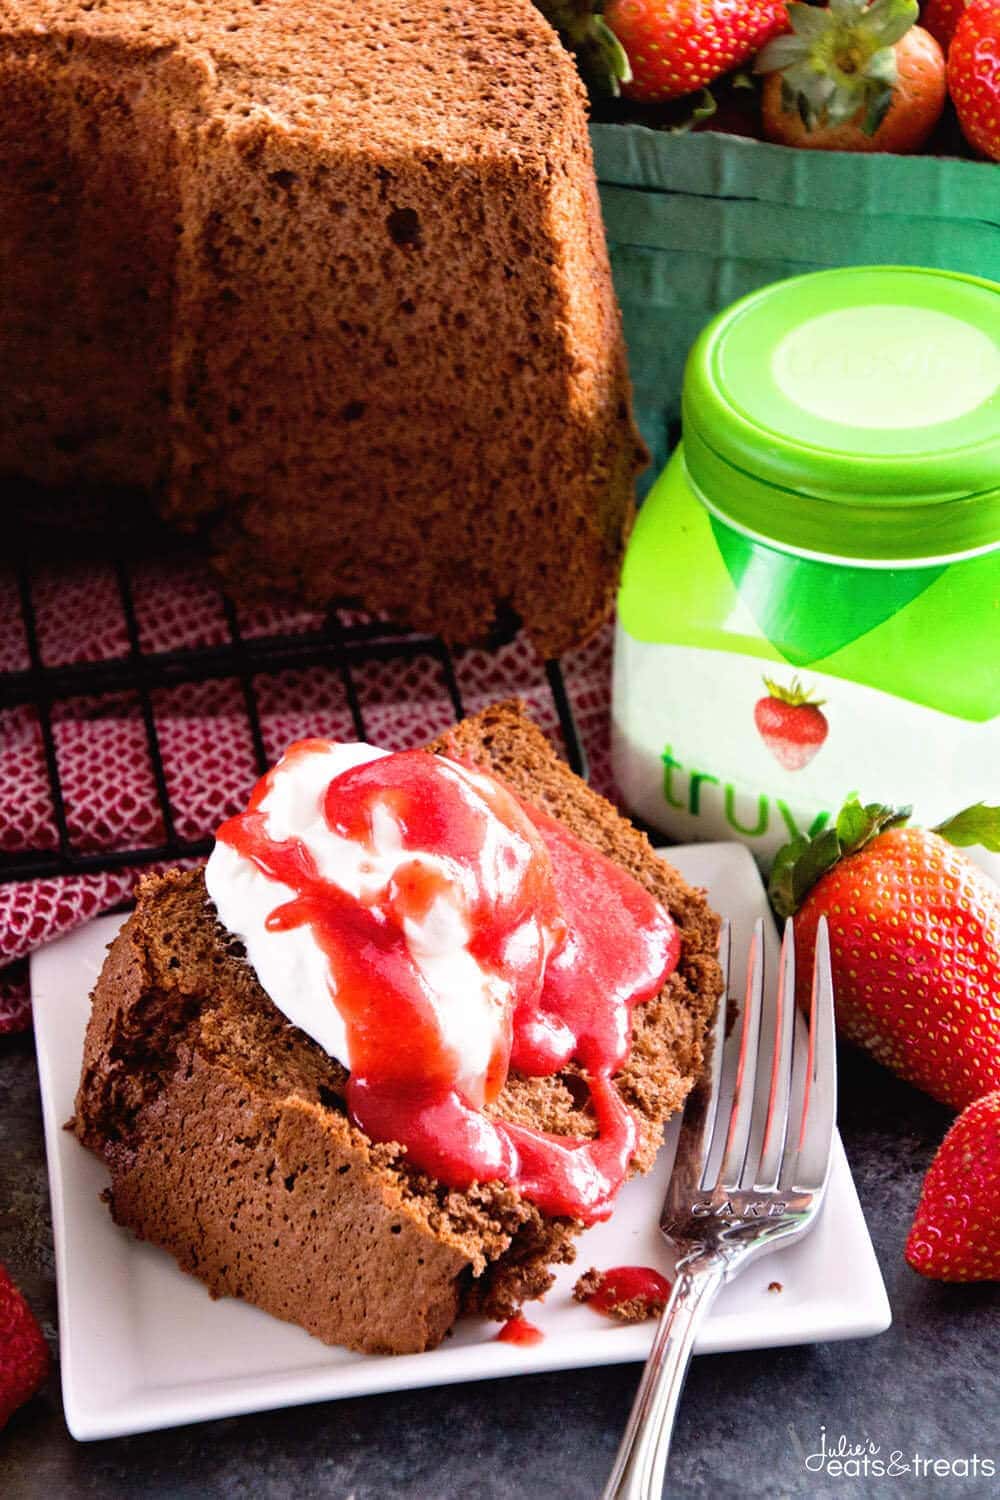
point(24, 1358)
point(974, 75)
point(915, 940)
point(853, 77)
point(791, 723)
point(940, 17)
point(675, 47)
point(956, 1232)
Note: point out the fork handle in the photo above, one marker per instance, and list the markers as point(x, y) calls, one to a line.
point(642, 1458)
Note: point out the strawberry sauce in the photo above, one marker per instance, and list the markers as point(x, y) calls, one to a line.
point(568, 942)
point(629, 1284)
point(518, 1330)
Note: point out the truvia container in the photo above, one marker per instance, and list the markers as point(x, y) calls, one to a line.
point(810, 603)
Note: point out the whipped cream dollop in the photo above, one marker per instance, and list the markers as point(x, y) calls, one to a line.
point(432, 931)
point(471, 1001)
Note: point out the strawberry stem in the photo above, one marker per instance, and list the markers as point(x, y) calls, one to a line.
point(795, 694)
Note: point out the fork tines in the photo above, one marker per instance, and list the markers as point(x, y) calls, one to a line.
point(767, 1107)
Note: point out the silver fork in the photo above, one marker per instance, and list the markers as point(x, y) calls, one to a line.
point(753, 1157)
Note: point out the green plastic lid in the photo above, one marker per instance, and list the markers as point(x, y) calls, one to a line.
point(852, 413)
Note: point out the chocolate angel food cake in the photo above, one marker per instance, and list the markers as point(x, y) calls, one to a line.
point(328, 283)
point(404, 1038)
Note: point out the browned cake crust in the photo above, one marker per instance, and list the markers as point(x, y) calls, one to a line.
point(224, 1129)
point(329, 279)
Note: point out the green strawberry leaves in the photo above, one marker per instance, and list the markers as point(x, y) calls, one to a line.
point(600, 56)
point(799, 865)
point(794, 694)
point(856, 826)
point(887, 20)
point(978, 824)
point(702, 107)
point(839, 59)
point(882, 69)
point(605, 60)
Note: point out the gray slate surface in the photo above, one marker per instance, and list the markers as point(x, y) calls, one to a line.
point(931, 1384)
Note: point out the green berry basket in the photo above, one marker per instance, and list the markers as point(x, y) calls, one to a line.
point(695, 221)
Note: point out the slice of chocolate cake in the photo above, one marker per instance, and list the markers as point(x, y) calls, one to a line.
point(232, 1137)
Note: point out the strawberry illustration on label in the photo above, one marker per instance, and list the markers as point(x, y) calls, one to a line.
point(791, 723)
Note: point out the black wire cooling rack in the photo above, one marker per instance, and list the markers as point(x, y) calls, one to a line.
point(342, 642)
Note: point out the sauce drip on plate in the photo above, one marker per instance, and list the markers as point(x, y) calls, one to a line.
point(518, 1330)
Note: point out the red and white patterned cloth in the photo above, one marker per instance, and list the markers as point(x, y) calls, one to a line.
point(104, 764)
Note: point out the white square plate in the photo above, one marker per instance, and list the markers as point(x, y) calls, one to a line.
point(143, 1346)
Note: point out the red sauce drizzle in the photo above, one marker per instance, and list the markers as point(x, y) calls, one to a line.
point(525, 882)
point(518, 1330)
point(628, 1283)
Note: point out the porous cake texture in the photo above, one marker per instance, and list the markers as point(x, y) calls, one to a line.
point(329, 280)
point(226, 1136)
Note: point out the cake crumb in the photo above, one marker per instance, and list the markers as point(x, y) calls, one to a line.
point(775, 1286)
point(586, 1285)
point(623, 1294)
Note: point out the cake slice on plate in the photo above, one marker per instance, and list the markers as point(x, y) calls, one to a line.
point(438, 1010)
